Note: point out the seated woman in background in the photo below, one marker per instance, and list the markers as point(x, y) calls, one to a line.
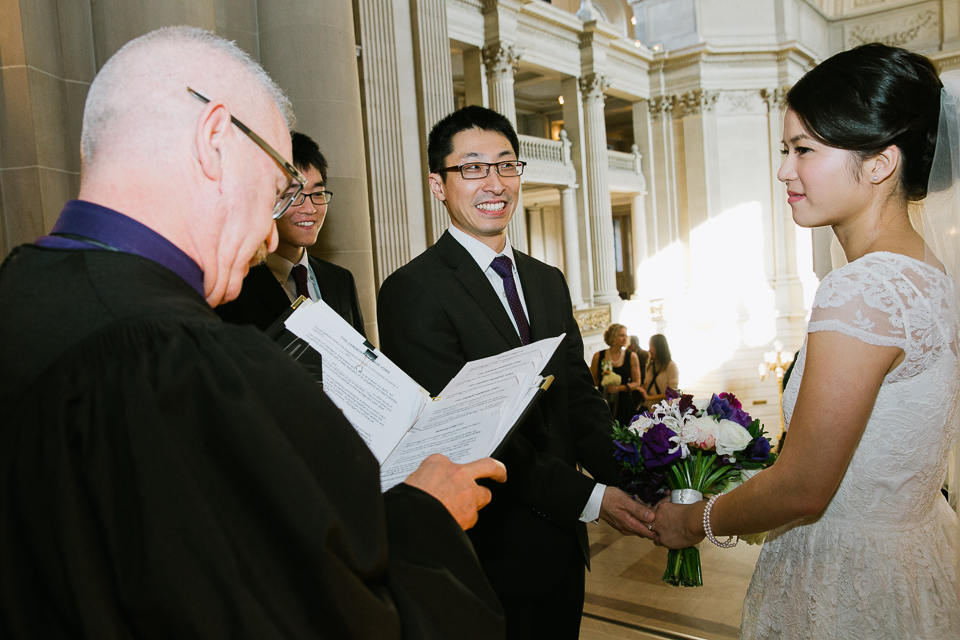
point(661, 372)
point(616, 372)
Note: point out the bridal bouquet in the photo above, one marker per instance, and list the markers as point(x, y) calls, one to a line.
point(686, 449)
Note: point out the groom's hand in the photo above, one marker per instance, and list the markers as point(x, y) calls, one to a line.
point(626, 515)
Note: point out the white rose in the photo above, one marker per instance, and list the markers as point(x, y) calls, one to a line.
point(731, 438)
point(701, 404)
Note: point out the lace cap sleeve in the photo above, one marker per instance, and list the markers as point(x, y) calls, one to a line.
point(861, 302)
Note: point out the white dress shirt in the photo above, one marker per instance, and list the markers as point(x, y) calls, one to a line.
point(281, 268)
point(484, 255)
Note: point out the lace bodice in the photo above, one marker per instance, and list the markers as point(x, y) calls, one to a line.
point(875, 562)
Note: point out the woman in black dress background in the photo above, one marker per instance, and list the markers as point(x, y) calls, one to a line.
point(616, 372)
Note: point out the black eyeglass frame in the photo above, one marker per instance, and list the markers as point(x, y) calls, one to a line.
point(520, 165)
point(286, 200)
point(302, 197)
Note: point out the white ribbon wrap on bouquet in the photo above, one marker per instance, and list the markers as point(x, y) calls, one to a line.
point(685, 496)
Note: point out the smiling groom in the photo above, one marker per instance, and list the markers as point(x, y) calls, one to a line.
point(469, 296)
point(290, 271)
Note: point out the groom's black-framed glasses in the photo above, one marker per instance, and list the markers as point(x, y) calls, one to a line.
point(297, 179)
point(479, 170)
point(318, 198)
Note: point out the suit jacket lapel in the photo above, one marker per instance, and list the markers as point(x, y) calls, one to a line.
point(537, 308)
point(477, 286)
point(327, 292)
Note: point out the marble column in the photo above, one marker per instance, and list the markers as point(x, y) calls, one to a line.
point(475, 77)
point(393, 144)
point(571, 244)
point(664, 179)
point(638, 217)
point(573, 124)
point(699, 153)
point(434, 82)
point(500, 61)
point(314, 40)
point(696, 184)
point(601, 215)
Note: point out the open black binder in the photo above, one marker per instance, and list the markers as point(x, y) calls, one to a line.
point(297, 348)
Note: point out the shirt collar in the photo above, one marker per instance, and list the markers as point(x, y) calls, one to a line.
point(114, 229)
point(481, 253)
point(280, 267)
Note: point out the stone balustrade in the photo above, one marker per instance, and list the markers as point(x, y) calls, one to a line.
point(625, 172)
point(548, 161)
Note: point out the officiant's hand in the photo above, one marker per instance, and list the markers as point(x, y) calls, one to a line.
point(455, 485)
point(678, 526)
point(628, 516)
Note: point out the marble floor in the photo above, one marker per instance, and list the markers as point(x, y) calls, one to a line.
point(626, 599)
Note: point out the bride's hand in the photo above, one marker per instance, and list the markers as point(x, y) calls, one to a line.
point(679, 526)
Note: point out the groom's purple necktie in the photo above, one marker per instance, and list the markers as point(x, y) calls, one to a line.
point(504, 269)
point(299, 273)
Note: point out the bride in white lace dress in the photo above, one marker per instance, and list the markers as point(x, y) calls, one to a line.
point(863, 544)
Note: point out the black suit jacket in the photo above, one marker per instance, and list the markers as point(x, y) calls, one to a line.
point(438, 312)
point(262, 299)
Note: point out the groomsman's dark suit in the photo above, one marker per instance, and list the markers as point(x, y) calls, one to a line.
point(440, 311)
point(262, 299)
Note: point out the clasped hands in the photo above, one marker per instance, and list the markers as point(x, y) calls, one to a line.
point(455, 485)
point(631, 386)
point(675, 526)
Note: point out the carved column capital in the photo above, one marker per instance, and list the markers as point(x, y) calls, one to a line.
point(593, 86)
point(660, 105)
point(500, 59)
point(775, 98)
point(693, 103)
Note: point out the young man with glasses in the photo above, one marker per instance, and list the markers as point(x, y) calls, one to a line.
point(470, 296)
point(169, 475)
point(290, 271)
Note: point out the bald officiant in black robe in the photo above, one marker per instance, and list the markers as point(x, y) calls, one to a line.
point(157, 481)
point(166, 475)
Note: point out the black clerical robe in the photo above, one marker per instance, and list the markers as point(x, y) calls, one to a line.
point(166, 475)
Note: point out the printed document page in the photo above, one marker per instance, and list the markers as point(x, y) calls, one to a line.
point(507, 381)
point(375, 395)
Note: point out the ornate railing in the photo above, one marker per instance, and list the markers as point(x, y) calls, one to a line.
point(533, 149)
point(548, 160)
point(620, 161)
point(626, 173)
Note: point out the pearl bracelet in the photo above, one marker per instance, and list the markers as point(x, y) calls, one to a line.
point(727, 544)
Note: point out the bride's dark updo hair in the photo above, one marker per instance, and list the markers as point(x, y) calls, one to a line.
point(869, 98)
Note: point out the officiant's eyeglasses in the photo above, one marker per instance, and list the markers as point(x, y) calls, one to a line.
point(478, 170)
point(297, 179)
